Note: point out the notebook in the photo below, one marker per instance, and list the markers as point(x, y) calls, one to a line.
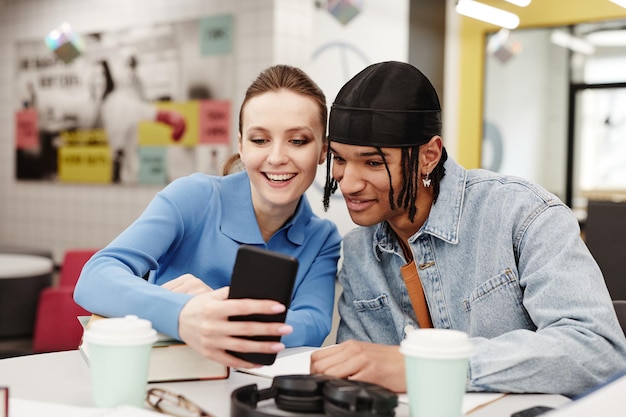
point(171, 360)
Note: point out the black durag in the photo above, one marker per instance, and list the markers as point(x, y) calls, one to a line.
point(387, 105)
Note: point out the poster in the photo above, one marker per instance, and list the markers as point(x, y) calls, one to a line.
point(143, 105)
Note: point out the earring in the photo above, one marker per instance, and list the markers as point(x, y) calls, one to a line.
point(426, 180)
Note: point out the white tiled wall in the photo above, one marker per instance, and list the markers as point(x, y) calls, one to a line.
point(56, 216)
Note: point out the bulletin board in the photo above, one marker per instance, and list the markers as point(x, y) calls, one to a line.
point(144, 105)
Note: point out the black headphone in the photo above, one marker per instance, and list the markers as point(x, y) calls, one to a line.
point(315, 394)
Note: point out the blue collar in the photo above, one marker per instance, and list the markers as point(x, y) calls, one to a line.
point(444, 220)
point(239, 221)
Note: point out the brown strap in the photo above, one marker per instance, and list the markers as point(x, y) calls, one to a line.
point(416, 293)
point(414, 287)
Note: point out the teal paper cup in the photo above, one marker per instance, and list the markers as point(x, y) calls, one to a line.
point(436, 364)
point(119, 355)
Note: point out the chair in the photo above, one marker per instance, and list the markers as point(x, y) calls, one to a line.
point(620, 310)
point(605, 236)
point(56, 325)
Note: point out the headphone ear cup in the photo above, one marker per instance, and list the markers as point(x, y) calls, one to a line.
point(300, 393)
point(345, 398)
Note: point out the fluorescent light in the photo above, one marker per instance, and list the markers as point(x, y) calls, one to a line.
point(620, 2)
point(564, 39)
point(489, 14)
point(520, 3)
point(607, 37)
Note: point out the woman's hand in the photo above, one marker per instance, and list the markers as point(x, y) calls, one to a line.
point(203, 324)
point(362, 361)
point(187, 284)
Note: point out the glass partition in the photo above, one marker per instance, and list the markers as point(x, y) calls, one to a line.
point(555, 109)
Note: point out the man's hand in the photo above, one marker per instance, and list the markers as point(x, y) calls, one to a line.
point(362, 361)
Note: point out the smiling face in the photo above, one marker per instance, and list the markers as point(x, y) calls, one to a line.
point(364, 181)
point(366, 185)
point(281, 145)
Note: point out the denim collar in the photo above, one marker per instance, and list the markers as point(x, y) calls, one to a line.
point(239, 221)
point(444, 219)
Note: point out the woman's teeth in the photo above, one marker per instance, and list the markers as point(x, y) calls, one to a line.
point(280, 177)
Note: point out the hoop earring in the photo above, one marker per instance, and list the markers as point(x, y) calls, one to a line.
point(426, 180)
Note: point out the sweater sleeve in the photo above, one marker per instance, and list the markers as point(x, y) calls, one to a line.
point(112, 284)
point(311, 308)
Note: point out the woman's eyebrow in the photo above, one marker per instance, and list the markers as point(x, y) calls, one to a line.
point(298, 129)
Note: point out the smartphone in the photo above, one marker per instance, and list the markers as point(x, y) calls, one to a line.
point(532, 411)
point(262, 274)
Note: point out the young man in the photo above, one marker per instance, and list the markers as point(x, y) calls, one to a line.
point(494, 256)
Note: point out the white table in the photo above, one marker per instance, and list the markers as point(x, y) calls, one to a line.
point(63, 377)
point(17, 265)
point(22, 277)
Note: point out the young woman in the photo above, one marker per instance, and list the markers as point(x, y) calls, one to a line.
point(187, 238)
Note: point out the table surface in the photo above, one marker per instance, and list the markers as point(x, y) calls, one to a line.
point(63, 377)
point(14, 265)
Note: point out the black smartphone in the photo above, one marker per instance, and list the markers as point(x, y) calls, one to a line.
point(532, 411)
point(262, 274)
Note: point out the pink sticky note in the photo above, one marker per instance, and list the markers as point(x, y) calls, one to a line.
point(26, 129)
point(214, 121)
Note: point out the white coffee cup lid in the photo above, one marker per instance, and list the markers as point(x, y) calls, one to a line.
point(437, 344)
point(120, 331)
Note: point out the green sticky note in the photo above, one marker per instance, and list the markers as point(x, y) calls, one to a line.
point(216, 35)
point(152, 165)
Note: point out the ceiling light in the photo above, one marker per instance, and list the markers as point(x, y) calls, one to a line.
point(520, 3)
point(620, 2)
point(564, 39)
point(609, 37)
point(489, 14)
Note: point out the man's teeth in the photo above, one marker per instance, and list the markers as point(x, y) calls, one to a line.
point(280, 177)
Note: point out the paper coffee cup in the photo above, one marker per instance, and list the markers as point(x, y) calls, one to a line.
point(436, 363)
point(119, 355)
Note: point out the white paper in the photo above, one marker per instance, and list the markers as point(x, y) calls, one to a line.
point(605, 401)
point(471, 400)
point(4, 397)
point(294, 361)
point(28, 408)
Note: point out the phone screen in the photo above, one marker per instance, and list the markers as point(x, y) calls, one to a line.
point(262, 274)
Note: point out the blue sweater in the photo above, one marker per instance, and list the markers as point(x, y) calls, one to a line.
point(195, 225)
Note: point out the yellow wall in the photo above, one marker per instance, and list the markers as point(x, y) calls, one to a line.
point(472, 46)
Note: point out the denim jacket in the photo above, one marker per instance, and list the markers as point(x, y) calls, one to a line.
point(501, 259)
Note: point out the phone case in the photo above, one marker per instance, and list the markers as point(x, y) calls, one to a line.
point(262, 274)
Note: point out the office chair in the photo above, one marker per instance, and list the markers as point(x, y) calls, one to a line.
point(605, 236)
point(56, 325)
point(620, 310)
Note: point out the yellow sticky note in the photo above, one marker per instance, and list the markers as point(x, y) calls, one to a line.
point(154, 133)
point(85, 164)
